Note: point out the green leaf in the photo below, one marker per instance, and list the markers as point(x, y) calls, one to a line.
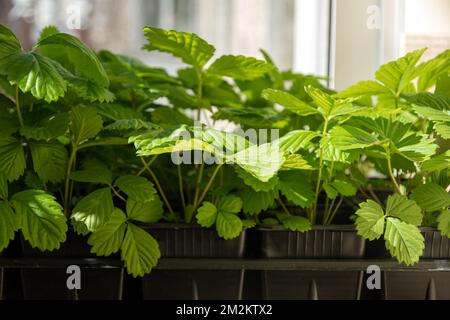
point(12, 158)
point(9, 44)
point(93, 171)
point(296, 140)
point(230, 204)
point(344, 187)
point(3, 187)
point(75, 56)
point(363, 88)
point(49, 160)
point(347, 138)
point(295, 186)
point(207, 214)
point(8, 225)
point(228, 225)
point(437, 163)
point(254, 202)
point(431, 197)
point(331, 192)
point(95, 209)
point(255, 183)
point(188, 46)
point(147, 212)
point(443, 221)
point(239, 67)
point(289, 102)
point(140, 251)
point(404, 241)
point(370, 220)
point(47, 128)
point(85, 123)
point(294, 223)
point(137, 188)
point(34, 73)
point(295, 162)
point(261, 161)
point(432, 114)
point(130, 124)
point(108, 239)
point(397, 75)
point(401, 207)
point(42, 219)
point(443, 129)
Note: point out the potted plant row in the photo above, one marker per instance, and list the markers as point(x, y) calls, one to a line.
point(103, 155)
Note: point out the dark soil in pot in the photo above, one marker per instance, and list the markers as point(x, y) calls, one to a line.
point(429, 285)
point(192, 241)
point(50, 284)
point(322, 242)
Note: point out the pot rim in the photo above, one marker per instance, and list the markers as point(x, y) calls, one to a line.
point(333, 227)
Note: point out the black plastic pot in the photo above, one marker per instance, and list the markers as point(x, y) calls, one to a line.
point(325, 242)
point(430, 285)
point(192, 241)
point(50, 284)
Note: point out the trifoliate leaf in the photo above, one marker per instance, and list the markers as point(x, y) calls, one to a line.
point(12, 158)
point(404, 241)
point(207, 214)
point(239, 67)
point(8, 224)
point(188, 46)
point(443, 221)
point(431, 197)
point(42, 219)
point(370, 220)
point(139, 251)
point(347, 137)
point(294, 223)
point(289, 102)
point(49, 160)
point(85, 123)
point(228, 225)
point(136, 188)
point(295, 186)
point(95, 209)
point(147, 212)
point(108, 239)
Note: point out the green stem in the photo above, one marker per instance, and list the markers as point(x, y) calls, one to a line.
point(335, 210)
point(391, 172)
point(208, 186)
point(67, 197)
point(180, 185)
point(283, 206)
point(19, 113)
point(197, 184)
point(148, 165)
point(319, 178)
point(118, 194)
point(158, 186)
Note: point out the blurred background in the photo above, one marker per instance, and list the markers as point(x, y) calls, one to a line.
point(345, 40)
